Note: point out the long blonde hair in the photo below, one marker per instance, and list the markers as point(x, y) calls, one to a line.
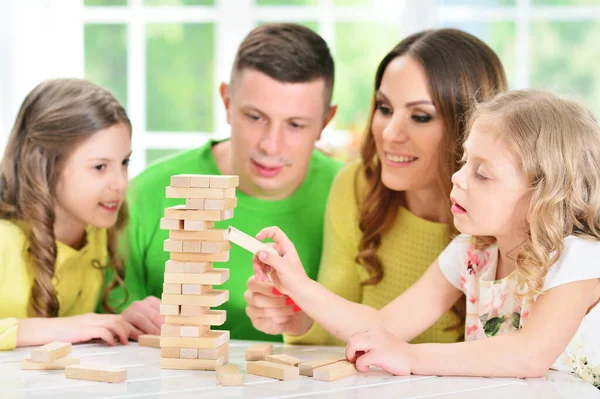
point(56, 117)
point(557, 144)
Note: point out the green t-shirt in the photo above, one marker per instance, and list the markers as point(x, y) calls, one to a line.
point(300, 216)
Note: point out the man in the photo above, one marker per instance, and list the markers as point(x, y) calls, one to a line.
point(277, 102)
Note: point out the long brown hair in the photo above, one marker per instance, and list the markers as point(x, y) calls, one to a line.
point(460, 69)
point(55, 117)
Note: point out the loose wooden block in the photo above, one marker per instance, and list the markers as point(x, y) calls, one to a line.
point(259, 351)
point(210, 340)
point(206, 193)
point(306, 368)
point(188, 353)
point(193, 331)
point(224, 181)
point(197, 225)
point(221, 351)
point(192, 246)
point(210, 299)
point(172, 310)
point(171, 288)
point(172, 353)
point(78, 372)
point(181, 181)
point(58, 364)
point(209, 318)
point(171, 224)
point(206, 235)
point(191, 364)
point(211, 277)
point(201, 181)
point(169, 330)
point(192, 311)
point(195, 203)
point(195, 289)
point(272, 370)
point(152, 341)
point(230, 375)
point(173, 245)
point(247, 242)
point(51, 352)
point(219, 204)
point(195, 257)
point(334, 371)
point(215, 247)
point(283, 359)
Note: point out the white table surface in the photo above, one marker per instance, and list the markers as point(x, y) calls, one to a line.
point(145, 379)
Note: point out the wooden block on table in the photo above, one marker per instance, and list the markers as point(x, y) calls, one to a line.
point(195, 257)
point(171, 288)
point(210, 299)
point(188, 353)
point(51, 352)
point(215, 247)
point(149, 340)
point(306, 368)
point(58, 364)
point(283, 359)
point(259, 351)
point(192, 246)
point(206, 193)
point(272, 370)
point(171, 224)
point(193, 331)
point(171, 245)
point(209, 318)
point(223, 181)
point(172, 310)
point(206, 235)
point(181, 180)
point(334, 371)
point(230, 375)
point(247, 242)
point(210, 340)
point(78, 372)
point(195, 203)
point(191, 364)
point(172, 353)
point(192, 311)
point(211, 277)
point(218, 204)
point(195, 289)
point(201, 181)
point(221, 351)
point(169, 330)
point(197, 225)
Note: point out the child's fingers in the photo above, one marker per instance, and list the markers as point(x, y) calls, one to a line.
point(368, 359)
point(276, 234)
point(104, 334)
point(260, 312)
point(153, 302)
point(143, 323)
point(263, 301)
point(120, 330)
point(263, 287)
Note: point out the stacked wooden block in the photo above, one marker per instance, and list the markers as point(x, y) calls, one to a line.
point(187, 340)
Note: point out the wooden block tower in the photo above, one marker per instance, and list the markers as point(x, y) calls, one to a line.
point(187, 339)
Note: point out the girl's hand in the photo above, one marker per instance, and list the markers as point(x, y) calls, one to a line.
point(112, 329)
point(284, 270)
point(145, 317)
point(380, 348)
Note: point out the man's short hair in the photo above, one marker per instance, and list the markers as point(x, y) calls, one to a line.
point(288, 53)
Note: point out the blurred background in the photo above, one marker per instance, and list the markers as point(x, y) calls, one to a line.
point(164, 59)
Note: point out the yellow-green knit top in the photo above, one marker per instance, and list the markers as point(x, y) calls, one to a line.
point(406, 251)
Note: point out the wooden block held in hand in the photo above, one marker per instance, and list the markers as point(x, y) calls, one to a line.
point(306, 368)
point(283, 359)
point(230, 375)
point(247, 242)
point(59, 364)
point(259, 351)
point(50, 352)
point(334, 371)
point(78, 372)
point(149, 340)
point(272, 370)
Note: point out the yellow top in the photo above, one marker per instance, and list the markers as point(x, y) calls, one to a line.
point(77, 278)
point(406, 251)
